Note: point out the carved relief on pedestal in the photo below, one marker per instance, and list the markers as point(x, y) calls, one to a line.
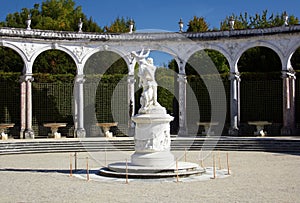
point(157, 139)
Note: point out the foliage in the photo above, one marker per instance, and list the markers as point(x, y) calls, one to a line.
point(255, 59)
point(173, 66)
point(203, 62)
point(261, 76)
point(295, 60)
point(52, 15)
point(54, 62)
point(197, 24)
point(10, 60)
point(105, 62)
point(64, 15)
point(107, 78)
point(59, 15)
point(165, 90)
point(259, 59)
point(120, 25)
point(10, 76)
point(53, 78)
point(244, 21)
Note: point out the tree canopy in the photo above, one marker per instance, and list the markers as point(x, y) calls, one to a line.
point(65, 14)
point(61, 15)
point(246, 21)
point(120, 25)
point(197, 24)
point(52, 15)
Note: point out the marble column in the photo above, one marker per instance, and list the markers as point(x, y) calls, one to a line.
point(131, 104)
point(234, 103)
point(288, 78)
point(29, 133)
point(23, 107)
point(183, 130)
point(79, 97)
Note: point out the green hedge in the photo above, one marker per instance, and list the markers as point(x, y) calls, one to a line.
point(52, 97)
point(50, 78)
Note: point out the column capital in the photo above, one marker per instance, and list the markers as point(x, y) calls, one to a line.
point(288, 74)
point(131, 79)
point(80, 79)
point(182, 78)
point(234, 76)
point(26, 77)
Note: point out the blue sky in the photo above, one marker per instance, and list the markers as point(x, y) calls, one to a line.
point(164, 14)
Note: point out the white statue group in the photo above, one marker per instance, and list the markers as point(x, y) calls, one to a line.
point(147, 81)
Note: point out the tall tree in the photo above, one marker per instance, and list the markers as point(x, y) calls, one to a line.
point(244, 21)
point(120, 25)
point(52, 15)
point(197, 24)
point(258, 59)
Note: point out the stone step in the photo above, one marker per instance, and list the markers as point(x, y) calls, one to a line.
point(232, 144)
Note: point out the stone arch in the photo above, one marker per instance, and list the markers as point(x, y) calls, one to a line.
point(258, 43)
point(55, 47)
point(293, 64)
point(20, 52)
point(100, 92)
point(164, 49)
point(208, 89)
point(291, 54)
point(52, 102)
point(117, 51)
point(261, 94)
point(54, 62)
point(7, 49)
point(10, 90)
point(214, 47)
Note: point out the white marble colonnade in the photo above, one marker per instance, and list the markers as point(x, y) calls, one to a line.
point(284, 41)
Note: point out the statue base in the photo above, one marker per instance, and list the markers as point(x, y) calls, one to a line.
point(152, 139)
point(153, 159)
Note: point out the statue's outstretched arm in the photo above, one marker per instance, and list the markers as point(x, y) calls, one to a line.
point(142, 55)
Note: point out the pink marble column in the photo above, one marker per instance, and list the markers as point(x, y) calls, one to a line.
point(29, 133)
point(23, 106)
point(288, 103)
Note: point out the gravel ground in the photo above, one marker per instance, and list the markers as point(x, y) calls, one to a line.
point(255, 177)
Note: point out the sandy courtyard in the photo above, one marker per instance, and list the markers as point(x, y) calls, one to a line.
point(256, 177)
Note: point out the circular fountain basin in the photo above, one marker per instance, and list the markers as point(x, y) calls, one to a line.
point(121, 170)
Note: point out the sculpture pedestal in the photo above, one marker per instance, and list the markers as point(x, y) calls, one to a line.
point(152, 140)
point(152, 157)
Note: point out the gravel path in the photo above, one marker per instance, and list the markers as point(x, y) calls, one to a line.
point(256, 177)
